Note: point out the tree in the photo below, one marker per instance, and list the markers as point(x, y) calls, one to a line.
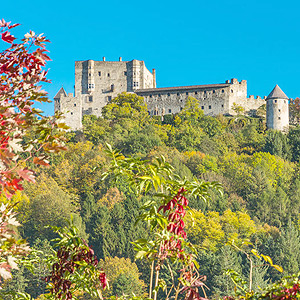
point(48, 206)
point(289, 245)
point(22, 70)
point(168, 246)
point(277, 144)
point(294, 107)
point(191, 111)
point(126, 105)
point(238, 109)
point(27, 136)
point(212, 230)
point(227, 259)
point(294, 141)
point(124, 276)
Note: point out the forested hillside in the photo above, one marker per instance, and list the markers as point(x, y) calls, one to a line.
point(260, 204)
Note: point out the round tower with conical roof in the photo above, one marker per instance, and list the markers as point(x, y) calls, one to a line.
point(277, 110)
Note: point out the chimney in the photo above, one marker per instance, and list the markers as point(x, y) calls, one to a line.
point(120, 58)
point(103, 58)
point(154, 78)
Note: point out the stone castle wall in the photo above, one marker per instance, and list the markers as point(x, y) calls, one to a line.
point(170, 101)
point(98, 82)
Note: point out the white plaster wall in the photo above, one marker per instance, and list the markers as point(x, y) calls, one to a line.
point(278, 114)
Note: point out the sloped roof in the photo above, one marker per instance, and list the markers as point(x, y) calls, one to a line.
point(277, 93)
point(61, 91)
point(190, 87)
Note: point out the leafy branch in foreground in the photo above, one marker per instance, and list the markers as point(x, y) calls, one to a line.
point(165, 217)
point(21, 73)
point(74, 268)
point(11, 248)
point(288, 288)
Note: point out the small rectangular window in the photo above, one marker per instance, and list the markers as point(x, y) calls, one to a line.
point(214, 91)
point(74, 104)
point(278, 118)
point(108, 75)
point(223, 91)
point(125, 73)
point(222, 105)
point(90, 98)
point(209, 106)
point(202, 107)
point(99, 73)
point(196, 93)
point(170, 111)
point(169, 94)
point(187, 93)
point(71, 113)
point(150, 96)
point(275, 101)
point(279, 110)
point(178, 94)
point(108, 98)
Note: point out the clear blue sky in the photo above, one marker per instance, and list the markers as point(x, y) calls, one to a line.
point(188, 42)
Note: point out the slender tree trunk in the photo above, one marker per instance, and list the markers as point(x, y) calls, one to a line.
point(250, 274)
point(156, 284)
point(151, 280)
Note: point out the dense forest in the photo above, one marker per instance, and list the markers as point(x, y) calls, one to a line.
point(259, 208)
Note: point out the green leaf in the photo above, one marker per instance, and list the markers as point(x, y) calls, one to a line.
point(255, 252)
point(268, 259)
point(140, 254)
point(278, 268)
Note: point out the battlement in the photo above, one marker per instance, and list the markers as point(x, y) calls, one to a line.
point(258, 98)
point(235, 81)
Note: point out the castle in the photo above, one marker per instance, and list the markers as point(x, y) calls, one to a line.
point(98, 82)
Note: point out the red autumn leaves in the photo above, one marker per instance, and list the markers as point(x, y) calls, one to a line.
point(71, 261)
point(6, 36)
point(21, 73)
point(176, 212)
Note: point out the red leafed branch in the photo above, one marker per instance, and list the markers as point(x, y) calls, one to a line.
point(75, 268)
point(174, 249)
point(25, 134)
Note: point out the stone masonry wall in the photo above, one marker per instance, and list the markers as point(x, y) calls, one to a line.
point(98, 82)
point(171, 101)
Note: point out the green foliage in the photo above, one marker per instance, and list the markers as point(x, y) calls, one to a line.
point(212, 231)
point(294, 141)
point(277, 144)
point(126, 105)
point(49, 205)
point(261, 185)
point(123, 275)
point(191, 111)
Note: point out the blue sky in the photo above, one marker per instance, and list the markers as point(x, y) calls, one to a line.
point(188, 42)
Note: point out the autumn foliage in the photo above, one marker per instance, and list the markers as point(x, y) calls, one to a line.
point(22, 69)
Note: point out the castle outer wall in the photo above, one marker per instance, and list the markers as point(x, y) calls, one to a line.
point(98, 82)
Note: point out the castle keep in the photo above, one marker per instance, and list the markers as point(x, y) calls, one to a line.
point(98, 82)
